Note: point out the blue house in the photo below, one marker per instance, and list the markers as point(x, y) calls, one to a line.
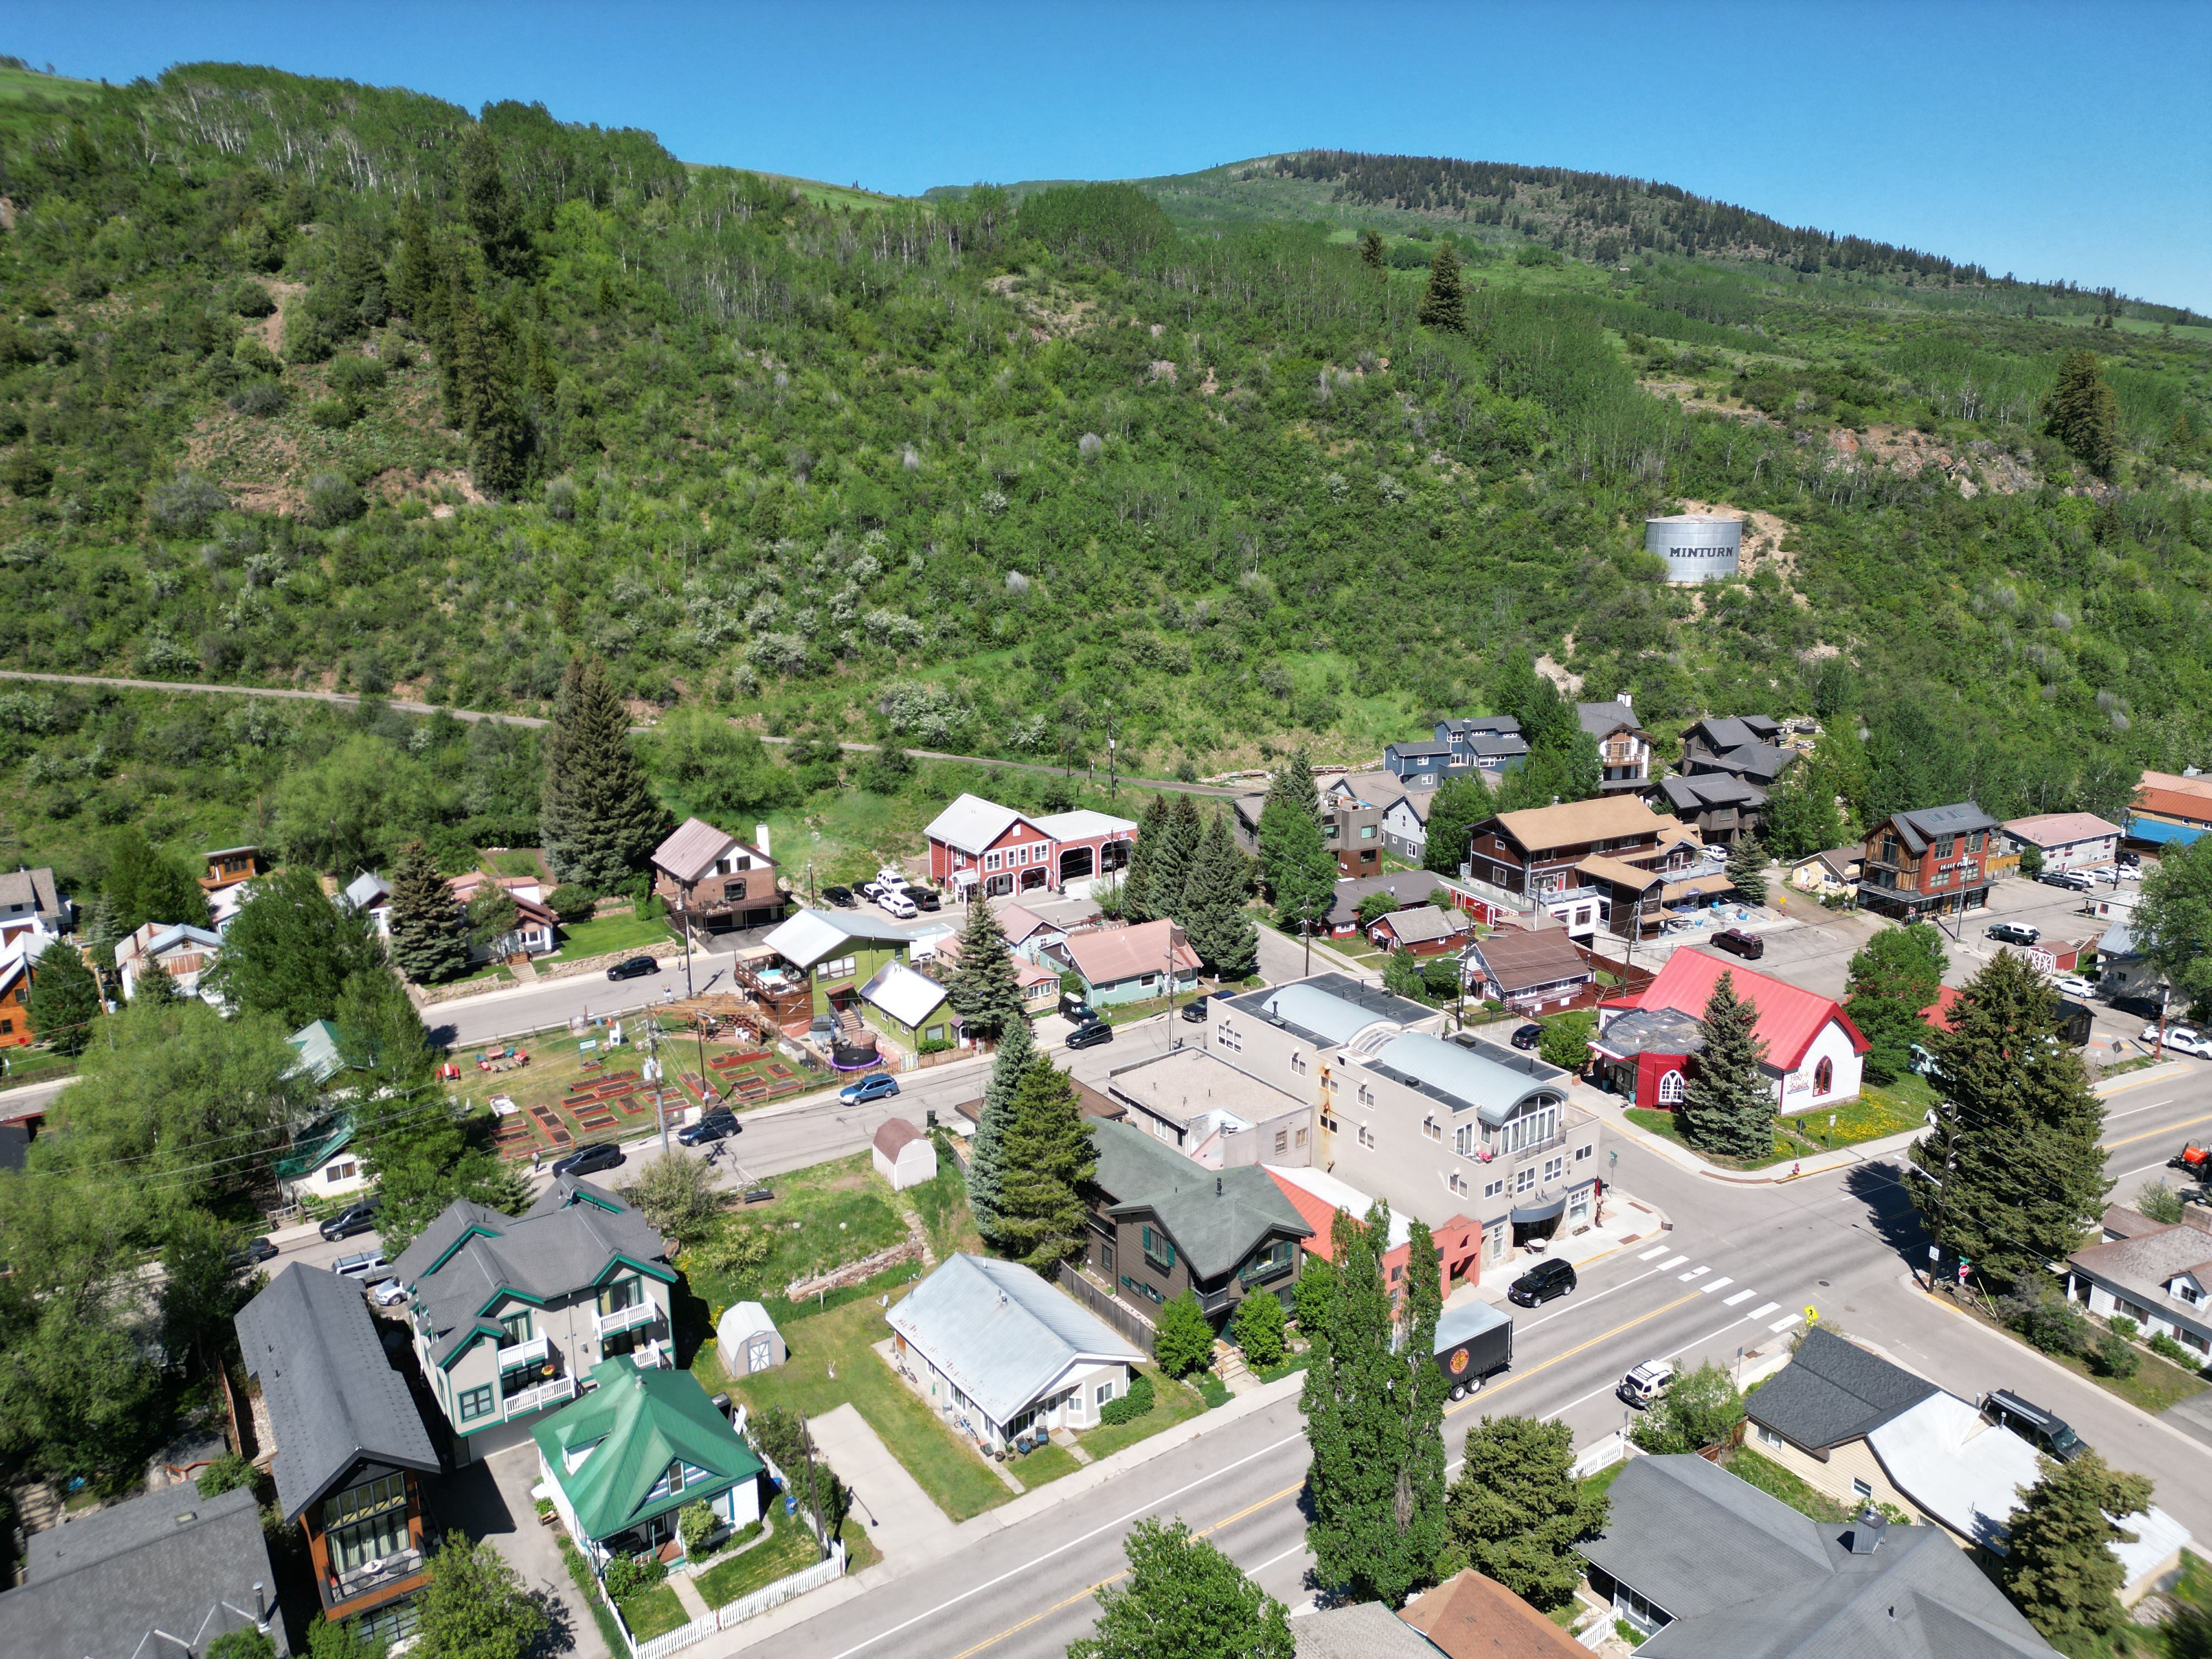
point(1488, 745)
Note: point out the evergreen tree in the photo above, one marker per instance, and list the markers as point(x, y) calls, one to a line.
point(100, 933)
point(1747, 868)
point(1455, 809)
point(142, 884)
point(2059, 1568)
point(1443, 301)
point(1516, 1511)
point(1048, 1158)
point(983, 990)
point(1138, 902)
point(1294, 860)
point(986, 1153)
point(291, 950)
point(491, 209)
point(2015, 1145)
point(427, 940)
point(1183, 1599)
point(1214, 917)
point(1182, 1341)
point(2082, 413)
point(65, 999)
point(1371, 250)
point(1178, 850)
point(599, 818)
point(1728, 1106)
point(1374, 1412)
point(1800, 817)
point(1893, 976)
point(414, 269)
point(154, 985)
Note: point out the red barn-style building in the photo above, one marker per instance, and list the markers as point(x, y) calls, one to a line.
point(978, 844)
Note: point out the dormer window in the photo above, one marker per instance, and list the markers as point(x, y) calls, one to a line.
point(676, 1477)
point(2187, 1289)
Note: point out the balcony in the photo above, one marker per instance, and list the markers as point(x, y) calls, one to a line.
point(624, 1319)
point(370, 1576)
point(530, 1400)
point(1210, 1303)
point(536, 1352)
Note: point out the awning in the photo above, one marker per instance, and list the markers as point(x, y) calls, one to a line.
point(1546, 1210)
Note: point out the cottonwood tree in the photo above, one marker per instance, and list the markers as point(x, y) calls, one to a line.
point(1374, 1410)
point(1799, 818)
point(1183, 1599)
point(986, 1153)
point(1457, 807)
point(1516, 1511)
point(2059, 1568)
point(1048, 1158)
point(983, 990)
point(291, 950)
point(1728, 1104)
point(2012, 1175)
point(2173, 922)
point(428, 943)
point(476, 1606)
point(1893, 976)
point(598, 815)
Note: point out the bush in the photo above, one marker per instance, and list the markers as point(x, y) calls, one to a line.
point(332, 500)
point(695, 1524)
point(1702, 1409)
point(1127, 1408)
point(250, 299)
point(259, 399)
point(247, 1643)
point(26, 475)
point(352, 376)
point(571, 902)
point(560, 498)
point(2124, 1327)
point(2115, 1356)
point(186, 505)
point(2045, 1323)
point(1565, 1042)
point(1183, 1341)
point(1260, 1330)
point(333, 414)
point(227, 1474)
point(2173, 1354)
point(625, 1577)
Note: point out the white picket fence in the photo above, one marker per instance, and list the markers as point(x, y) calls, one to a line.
point(735, 1613)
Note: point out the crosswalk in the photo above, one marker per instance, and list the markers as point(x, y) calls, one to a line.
point(1718, 1282)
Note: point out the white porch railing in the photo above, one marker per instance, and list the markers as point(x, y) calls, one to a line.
point(530, 1400)
point(624, 1319)
point(538, 1350)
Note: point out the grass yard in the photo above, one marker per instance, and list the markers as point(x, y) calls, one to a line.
point(821, 1216)
point(1602, 1481)
point(1663, 1124)
point(1128, 1014)
point(1875, 1114)
point(514, 861)
point(1047, 1463)
point(603, 934)
point(28, 1064)
point(1771, 1478)
point(789, 1548)
point(544, 1090)
point(942, 1205)
point(652, 1612)
point(1172, 1403)
point(832, 1362)
point(2156, 1384)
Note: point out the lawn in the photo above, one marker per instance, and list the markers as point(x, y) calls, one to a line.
point(821, 1216)
point(789, 1548)
point(1128, 1014)
point(514, 861)
point(1875, 1114)
point(1601, 1482)
point(1663, 1124)
point(653, 1611)
point(943, 1205)
point(1775, 1481)
point(1172, 1403)
point(603, 934)
point(1047, 1462)
point(832, 1362)
point(2156, 1384)
point(28, 1065)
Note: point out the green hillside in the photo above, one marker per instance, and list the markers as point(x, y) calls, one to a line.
point(311, 384)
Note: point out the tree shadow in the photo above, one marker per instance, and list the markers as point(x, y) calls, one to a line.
point(559, 1635)
point(1889, 1212)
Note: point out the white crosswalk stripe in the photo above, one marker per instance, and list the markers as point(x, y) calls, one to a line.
point(1762, 1310)
point(1694, 1274)
point(1785, 1323)
point(1707, 1290)
point(1741, 1295)
point(1676, 1262)
point(1648, 1254)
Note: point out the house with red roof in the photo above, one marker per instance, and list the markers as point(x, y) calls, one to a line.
point(1647, 1044)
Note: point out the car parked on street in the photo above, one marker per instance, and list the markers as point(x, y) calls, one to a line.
point(257, 1251)
point(2014, 932)
point(1737, 942)
point(717, 1124)
point(1528, 1036)
point(1549, 1278)
point(600, 1155)
point(635, 967)
point(1644, 1385)
point(2045, 1429)
point(876, 1086)
point(353, 1219)
point(1090, 1035)
point(1194, 1010)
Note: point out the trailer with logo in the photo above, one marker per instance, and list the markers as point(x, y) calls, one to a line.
point(1474, 1342)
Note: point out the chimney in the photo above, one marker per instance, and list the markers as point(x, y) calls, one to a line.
point(760, 840)
point(1866, 1533)
point(1627, 700)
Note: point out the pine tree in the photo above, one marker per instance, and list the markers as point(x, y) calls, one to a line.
point(1747, 868)
point(1800, 817)
point(1371, 250)
point(1728, 1106)
point(1516, 1511)
point(414, 269)
point(427, 941)
point(1048, 1158)
point(154, 985)
point(2082, 413)
point(1374, 1414)
point(599, 818)
point(64, 1000)
point(1214, 918)
point(491, 209)
point(984, 992)
point(2059, 1568)
point(2015, 1146)
point(1169, 878)
point(100, 932)
point(1457, 807)
point(1294, 860)
point(986, 1154)
point(1893, 976)
point(1139, 902)
point(1443, 301)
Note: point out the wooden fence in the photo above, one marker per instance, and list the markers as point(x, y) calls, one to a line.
point(1111, 1309)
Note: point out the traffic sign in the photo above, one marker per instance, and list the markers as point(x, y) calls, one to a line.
point(1812, 1314)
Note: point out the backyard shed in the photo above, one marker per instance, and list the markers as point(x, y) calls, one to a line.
point(905, 1157)
point(747, 1341)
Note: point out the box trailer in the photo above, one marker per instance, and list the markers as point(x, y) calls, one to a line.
point(1474, 1341)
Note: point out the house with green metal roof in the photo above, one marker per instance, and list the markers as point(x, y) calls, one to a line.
point(322, 1161)
point(623, 1461)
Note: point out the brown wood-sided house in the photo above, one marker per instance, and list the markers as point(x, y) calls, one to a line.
point(1933, 862)
point(711, 882)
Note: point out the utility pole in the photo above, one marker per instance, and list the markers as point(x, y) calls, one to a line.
point(652, 1069)
point(1113, 773)
point(1305, 932)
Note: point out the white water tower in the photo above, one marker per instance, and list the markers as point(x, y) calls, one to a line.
point(1698, 547)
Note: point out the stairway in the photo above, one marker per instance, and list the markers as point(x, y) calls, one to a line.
point(1229, 1366)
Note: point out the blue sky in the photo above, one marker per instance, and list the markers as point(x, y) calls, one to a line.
point(2053, 141)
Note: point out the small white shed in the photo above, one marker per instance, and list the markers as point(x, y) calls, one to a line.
point(747, 1341)
point(905, 1157)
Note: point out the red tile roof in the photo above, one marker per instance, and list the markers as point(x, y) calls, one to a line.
point(1790, 1017)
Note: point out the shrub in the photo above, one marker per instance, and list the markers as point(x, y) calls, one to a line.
point(2158, 1202)
point(1565, 1042)
point(2045, 1323)
point(1131, 1405)
point(333, 414)
point(695, 1523)
point(626, 1577)
point(2115, 1356)
point(333, 501)
point(186, 505)
point(570, 902)
point(259, 399)
point(26, 475)
point(227, 1474)
point(352, 376)
point(247, 1643)
point(1702, 1409)
point(1260, 1330)
point(1183, 1341)
point(2124, 1327)
point(250, 299)
point(560, 498)
point(2171, 1352)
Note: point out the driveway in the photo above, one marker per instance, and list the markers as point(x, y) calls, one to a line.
point(491, 1500)
point(905, 1523)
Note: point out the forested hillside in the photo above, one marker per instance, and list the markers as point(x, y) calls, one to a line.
point(306, 383)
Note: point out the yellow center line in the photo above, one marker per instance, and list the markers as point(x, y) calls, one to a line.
point(2152, 1134)
point(1250, 1509)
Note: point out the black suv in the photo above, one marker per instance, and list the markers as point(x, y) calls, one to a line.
point(1546, 1279)
point(1090, 1036)
point(600, 1155)
point(924, 898)
point(2040, 1428)
point(635, 967)
point(715, 1124)
point(1528, 1036)
point(841, 897)
point(2015, 933)
point(355, 1219)
point(1194, 1010)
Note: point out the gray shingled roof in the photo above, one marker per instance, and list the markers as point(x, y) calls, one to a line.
point(1599, 718)
point(1960, 817)
point(333, 1398)
point(1725, 732)
point(1703, 789)
point(1833, 1391)
point(1425, 923)
point(566, 1242)
point(99, 1587)
point(33, 887)
point(1365, 1630)
point(1746, 1576)
point(1216, 1216)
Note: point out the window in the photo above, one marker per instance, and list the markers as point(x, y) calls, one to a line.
point(675, 1477)
point(1976, 841)
point(1862, 1492)
point(475, 1403)
point(1138, 1287)
point(1367, 832)
point(1494, 1189)
point(517, 1327)
point(1282, 1140)
point(1159, 1248)
point(991, 861)
point(1945, 847)
point(389, 1625)
point(1106, 1257)
point(1104, 1393)
point(1524, 1179)
point(1366, 1096)
point(1670, 1088)
point(1553, 1167)
point(1824, 1077)
point(1267, 1260)
point(345, 1171)
point(626, 1292)
point(1458, 1185)
point(1463, 1140)
point(1298, 1064)
point(1431, 1128)
point(841, 969)
point(1366, 1137)
point(1581, 1152)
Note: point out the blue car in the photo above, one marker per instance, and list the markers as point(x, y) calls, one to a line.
point(879, 1086)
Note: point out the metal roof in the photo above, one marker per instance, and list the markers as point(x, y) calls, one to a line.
point(1083, 823)
point(1128, 952)
point(690, 852)
point(1579, 823)
point(813, 936)
point(971, 823)
point(1790, 1017)
point(1931, 823)
point(1322, 1013)
point(1001, 1333)
point(2058, 828)
point(629, 1429)
point(907, 996)
point(1489, 1080)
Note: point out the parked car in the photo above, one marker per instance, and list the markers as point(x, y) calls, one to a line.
point(2015, 933)
point(389, 1294)
point(840, 896)
point(2074, 985)
point(715, 1124)
point(1090, 1035)
point(2045, 1430)
point(369, 1264)
point(891, 880)
point(1737, 942)
point(1644, 1385)
point(1072, 1007)
point(257, 1251)
point(600, 1155)
point(924, 898)
point(2185, 1039)
point(1548, 1278)
point(635, 967)
point(897, 905)
point(353, 1219)
point(1528, 1036)
point(2074, 881)
point(876, 1086)
point(1194, 1010)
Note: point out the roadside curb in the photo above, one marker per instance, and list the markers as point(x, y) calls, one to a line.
point(2164, 1072)
point(1772, 1174)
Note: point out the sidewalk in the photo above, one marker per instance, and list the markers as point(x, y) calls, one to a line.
point(1628, 1220)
